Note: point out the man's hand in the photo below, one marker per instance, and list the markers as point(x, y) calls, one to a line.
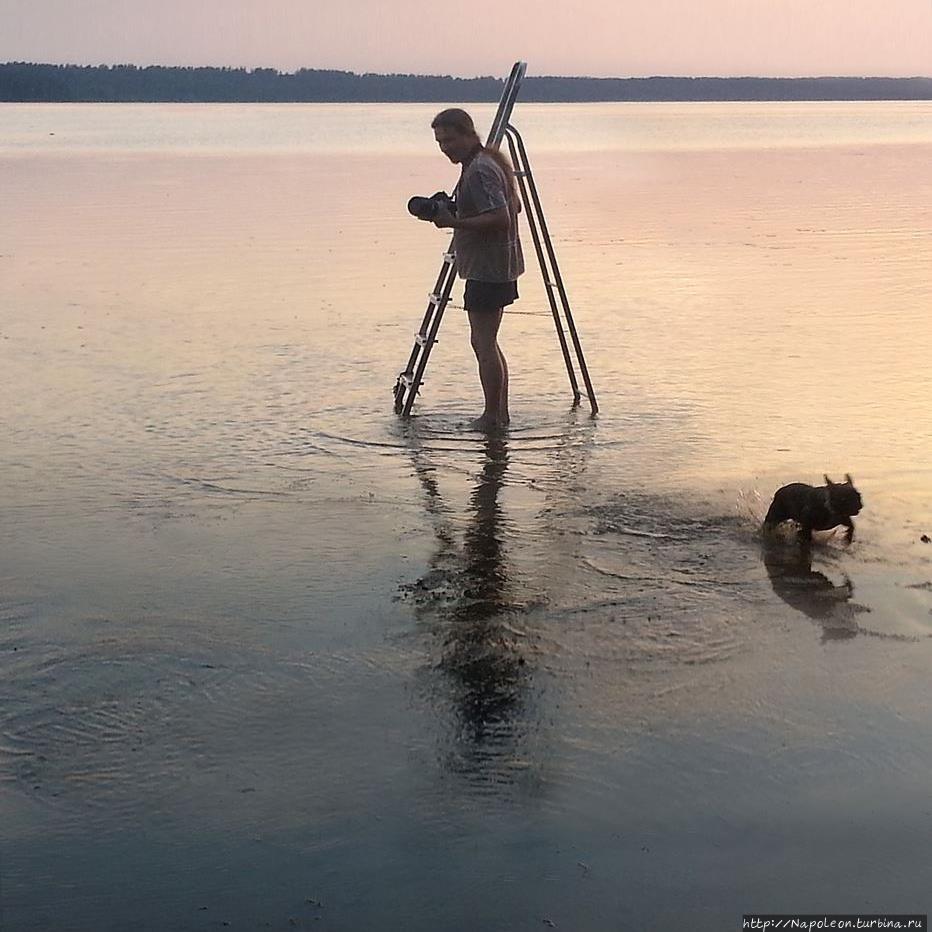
point(444, 218)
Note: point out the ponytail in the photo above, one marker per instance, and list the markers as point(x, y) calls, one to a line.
point(504, 163)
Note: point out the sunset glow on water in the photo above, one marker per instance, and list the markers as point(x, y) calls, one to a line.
point(255, 624)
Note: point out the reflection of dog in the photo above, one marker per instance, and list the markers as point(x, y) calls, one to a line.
point(815, 508)
point(813, 593)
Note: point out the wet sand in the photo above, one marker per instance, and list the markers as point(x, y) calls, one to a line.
point(274, 658)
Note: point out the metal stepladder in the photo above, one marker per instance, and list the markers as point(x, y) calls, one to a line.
point(409, 381)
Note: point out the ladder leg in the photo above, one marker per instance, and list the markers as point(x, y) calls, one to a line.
point(428, 341)
point(519, 156)
point(409, 381)
point(401, 384)
point(522, 172)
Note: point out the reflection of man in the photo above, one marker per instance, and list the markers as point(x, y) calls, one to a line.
point(467, 595)
point(484, 573)
point(487, 248)
point(480, 653)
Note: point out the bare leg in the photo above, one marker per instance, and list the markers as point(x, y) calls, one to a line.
point(503, 416)
point(493, 372)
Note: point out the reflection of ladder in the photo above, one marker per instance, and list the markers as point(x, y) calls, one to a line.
point(409, 381)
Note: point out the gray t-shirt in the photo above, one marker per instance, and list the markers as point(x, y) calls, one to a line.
point(493, 256)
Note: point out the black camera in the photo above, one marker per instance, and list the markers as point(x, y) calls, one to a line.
point(425, 208)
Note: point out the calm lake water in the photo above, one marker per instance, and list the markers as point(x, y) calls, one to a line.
point(271, 657)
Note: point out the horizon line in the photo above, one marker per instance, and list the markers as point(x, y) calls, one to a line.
point(484, 77)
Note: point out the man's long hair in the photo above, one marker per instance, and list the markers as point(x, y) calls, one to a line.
point(459, 120)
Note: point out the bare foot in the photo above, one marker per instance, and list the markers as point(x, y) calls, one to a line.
point(486, 424)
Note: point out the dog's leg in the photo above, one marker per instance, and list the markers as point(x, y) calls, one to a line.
point(775, 515)
point(849, 524)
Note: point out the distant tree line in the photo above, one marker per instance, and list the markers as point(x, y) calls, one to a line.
point(24, 81)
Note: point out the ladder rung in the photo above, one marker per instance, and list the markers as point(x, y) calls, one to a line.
point(435, 299)
point(421, 340)
point(406, 379)
point(519, 174)
point(449, 258)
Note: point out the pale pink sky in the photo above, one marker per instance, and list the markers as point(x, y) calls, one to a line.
point(583, 37)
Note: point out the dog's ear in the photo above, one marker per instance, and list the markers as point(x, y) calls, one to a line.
point(848, 478)
point(828, 481)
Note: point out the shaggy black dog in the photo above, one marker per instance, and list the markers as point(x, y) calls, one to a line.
point(815, 508)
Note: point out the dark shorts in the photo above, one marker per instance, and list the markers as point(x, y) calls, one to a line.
point(489, 296)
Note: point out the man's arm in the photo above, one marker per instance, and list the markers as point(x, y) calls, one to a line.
point(487, 222)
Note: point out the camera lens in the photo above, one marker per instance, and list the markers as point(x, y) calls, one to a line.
point(424, 208)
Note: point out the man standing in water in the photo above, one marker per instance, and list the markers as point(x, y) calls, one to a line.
point(487, 248)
